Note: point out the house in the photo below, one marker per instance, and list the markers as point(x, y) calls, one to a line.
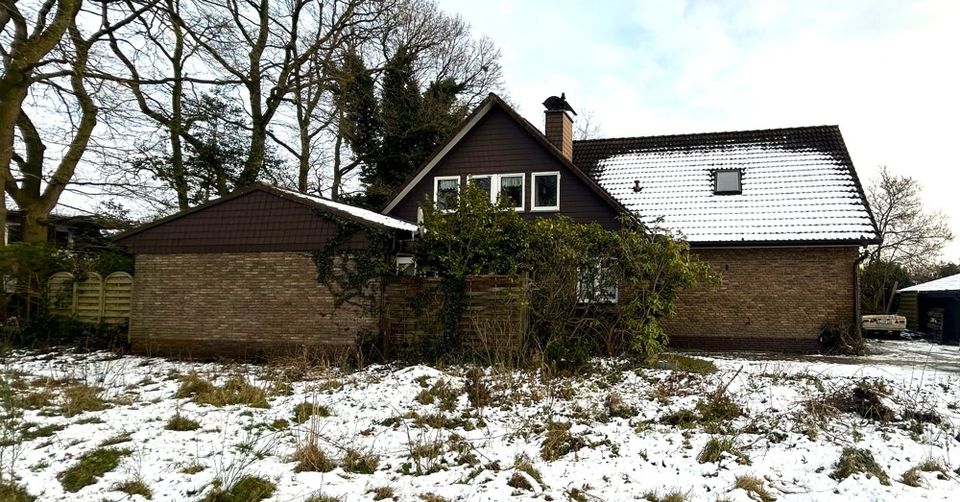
point(933, 308)
point(236, 276)
point(63, 231)
point(779, 214)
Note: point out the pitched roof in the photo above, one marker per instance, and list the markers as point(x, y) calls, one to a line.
point(493, 100)
point(948, 283)
point(798, 185)
point(360, 215)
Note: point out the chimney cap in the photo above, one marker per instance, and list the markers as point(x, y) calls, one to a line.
point(555, 104)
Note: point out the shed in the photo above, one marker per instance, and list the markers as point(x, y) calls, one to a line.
point(933, 308)
point(237, 276)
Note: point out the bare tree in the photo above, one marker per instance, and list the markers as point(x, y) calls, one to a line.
point(911, 239)
point(263, 44)
point(586, 126)
point(46, 56)
point(909, 234)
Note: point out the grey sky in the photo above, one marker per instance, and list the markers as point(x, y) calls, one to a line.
point(886, 72)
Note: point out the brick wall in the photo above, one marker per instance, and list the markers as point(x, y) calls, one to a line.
point(239, 304)
point(768, 299)
point(491, 324)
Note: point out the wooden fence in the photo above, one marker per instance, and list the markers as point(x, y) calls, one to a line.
point(93, 299)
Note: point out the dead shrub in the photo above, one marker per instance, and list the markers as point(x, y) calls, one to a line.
point(476, 389)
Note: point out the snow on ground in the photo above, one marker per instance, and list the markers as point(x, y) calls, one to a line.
point(474, 456)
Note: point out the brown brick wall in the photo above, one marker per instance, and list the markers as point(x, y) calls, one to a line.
point(238, 304)
point(769, 299)
point(491, 324)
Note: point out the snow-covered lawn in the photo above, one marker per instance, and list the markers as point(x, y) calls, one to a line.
point(616, 433)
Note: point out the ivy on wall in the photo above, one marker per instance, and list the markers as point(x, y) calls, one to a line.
point(346, 269)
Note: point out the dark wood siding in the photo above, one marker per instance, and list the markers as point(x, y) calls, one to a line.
point(498, 145)
point(256, 221)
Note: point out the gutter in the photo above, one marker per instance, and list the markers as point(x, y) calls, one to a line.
point(856, 291)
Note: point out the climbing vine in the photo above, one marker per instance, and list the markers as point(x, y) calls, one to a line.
point(345, 269)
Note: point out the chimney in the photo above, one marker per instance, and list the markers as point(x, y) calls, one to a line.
point(558, 124)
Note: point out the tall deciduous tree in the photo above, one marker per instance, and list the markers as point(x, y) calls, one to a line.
point(911, 238)
point(46, 47)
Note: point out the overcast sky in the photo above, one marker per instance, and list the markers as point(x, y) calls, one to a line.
point(886, 72)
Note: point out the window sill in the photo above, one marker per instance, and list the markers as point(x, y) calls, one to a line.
point(545, 209)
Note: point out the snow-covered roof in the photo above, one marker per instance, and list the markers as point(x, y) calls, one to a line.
point(798, 184)
point(356, 212)
point(948, 283)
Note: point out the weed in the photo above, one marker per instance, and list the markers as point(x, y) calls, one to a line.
point(311, 458)
point(322, 497)
point(559, 442)
point(687, 363)
point(236, 390)
point(684, 419)
point(245, 489)
point(80, 398)
point(476, 389)
point(37, 400)
point(857, 460)
point(713, 451)
point(193, 468)
point(360, 463)
point(519, 481)
point(382, 493)
point(11, 492)
point(523, 464)
point(303, 411)
point(754, 485)
point(432, 497)
point(181, 423)
point(911, 477)
point(30, 433)
point(719, 408)
point(134, 486)
point(931, 464)
point(444, 394)
point(90, 467)
point(670, 496)
point(119, 438)
point(616, 407)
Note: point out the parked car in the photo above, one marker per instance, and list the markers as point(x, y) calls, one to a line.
point(882, 324)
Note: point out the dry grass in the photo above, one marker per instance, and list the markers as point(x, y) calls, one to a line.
point(754, 485)
point(311, 458)
point(382, 493)
point(89, 467)
point(617, 408)
point(134, 486)
point(303, 411)
point(359, 462)
point(181, 423)
point(559, 442)
point(236, 390)
point(713, 451)
point(80, 398)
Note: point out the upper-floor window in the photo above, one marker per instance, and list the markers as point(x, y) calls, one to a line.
point(546, 191)
point(446, 191)
point(497, 186)
point(727, 182)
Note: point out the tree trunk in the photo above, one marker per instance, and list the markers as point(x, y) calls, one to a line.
point(33, 227)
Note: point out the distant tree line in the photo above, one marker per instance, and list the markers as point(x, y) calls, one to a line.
point(173, 102)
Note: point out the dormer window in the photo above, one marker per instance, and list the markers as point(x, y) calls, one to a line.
point(727, 182)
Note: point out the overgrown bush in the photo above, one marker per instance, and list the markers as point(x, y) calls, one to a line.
point(588, 289)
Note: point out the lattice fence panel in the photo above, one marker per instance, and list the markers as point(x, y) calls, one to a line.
point(117, 293)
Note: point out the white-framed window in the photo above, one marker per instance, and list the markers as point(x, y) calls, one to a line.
point(485, 183)
point(446, 192)
point(597, 284)
point(406, 265)
point(546, 191)
point(727, 182)
point(513, 188)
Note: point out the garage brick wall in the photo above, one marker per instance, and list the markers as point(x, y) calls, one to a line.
point(240, 304)
point(769, 299)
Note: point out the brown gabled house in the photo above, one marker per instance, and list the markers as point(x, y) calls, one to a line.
point(779, 214)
